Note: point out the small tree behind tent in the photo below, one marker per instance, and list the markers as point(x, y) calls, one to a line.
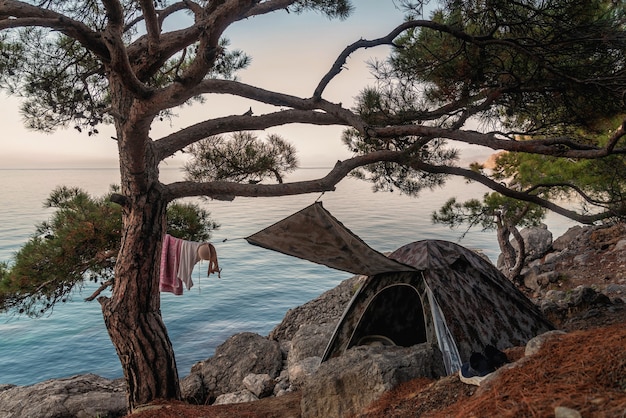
point(428, 291)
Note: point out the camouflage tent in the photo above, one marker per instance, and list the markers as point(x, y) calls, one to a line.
point(425, 292)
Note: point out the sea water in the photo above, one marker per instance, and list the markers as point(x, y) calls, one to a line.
point(257, 287)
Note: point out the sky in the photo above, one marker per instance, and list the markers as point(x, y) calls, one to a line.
point(290, 54)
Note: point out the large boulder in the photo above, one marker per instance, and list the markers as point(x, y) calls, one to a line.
point(309, 341)
point(566, 240)
point(236, 397)
point(344, 385)
point(78, 396)
point(538, 241)
point(307, 348)
point(562, 307)
point(239, 356)
point(300, 371)
point(261, 385)
point(325, 309)
point(305, 330)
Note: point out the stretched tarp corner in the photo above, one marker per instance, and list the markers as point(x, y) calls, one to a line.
point(315, 235)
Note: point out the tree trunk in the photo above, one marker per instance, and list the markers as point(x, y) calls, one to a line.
point(508, 252)
point(132, 315)
point(133, 312)
point(514, 272)
point(513, 259)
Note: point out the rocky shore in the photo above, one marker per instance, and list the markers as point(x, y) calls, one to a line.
point(578, 281)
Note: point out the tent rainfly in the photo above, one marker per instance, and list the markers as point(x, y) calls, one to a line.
point(428, 291)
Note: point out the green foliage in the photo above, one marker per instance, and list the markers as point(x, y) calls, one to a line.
point(389, 176)
point(189, 221)
point(60, 79)
point(242, 157)
point(540, 69)
point(598, 182)
point(80, 242)
point(595, 182)
point(475, 212)
point(331, 8)
point(63, 84)
point(529, 69)
point(555, 65)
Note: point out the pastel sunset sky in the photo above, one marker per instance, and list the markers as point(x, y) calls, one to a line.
point(290, 53)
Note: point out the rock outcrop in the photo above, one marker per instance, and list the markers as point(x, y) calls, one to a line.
point(537, 241)
point(240, 355)
point(574, 259)
point(325, 309)
point(78, 396)
point(344, 385)
point(289, 355)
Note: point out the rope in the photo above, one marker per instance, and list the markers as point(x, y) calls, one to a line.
point(232, 239)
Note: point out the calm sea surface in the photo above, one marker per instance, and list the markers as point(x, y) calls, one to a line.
point(257, 286)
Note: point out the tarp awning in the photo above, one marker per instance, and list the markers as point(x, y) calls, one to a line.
point(314, 234)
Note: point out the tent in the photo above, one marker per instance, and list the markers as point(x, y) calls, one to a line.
point(425, 292)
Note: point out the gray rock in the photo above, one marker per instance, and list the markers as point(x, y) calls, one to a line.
point(564, 412)
point(620, 245)
point(564, 241)
point(611, 289)
point(282, 383)
point(538, 241)
point(551, 258)
point(582, 258)
point(555, 295)
point(583, 297)
point(261, 385)
point(344, 385)
point(283, 392)
point(192, 389)
point(535, 344)
point(535, 280)
point(300, 371)
point(239, 356)
point(78, 396)
point(235, 397)
point(559, 306)
point(309, 341)
point(325, 309)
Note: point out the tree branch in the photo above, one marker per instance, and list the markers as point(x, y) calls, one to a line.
point(386, 40)
point(120, 63)
point(343, 57)
point(217, 16)
point(176, 96)
point(161, 14)
point(516, 269)
point(574, 187)
point(500, 188)
point(15, 14)
point(99, 290)
point(561, 147)
point(268, 7)
point(153, 27)
point(222, 190)
point(169, 145)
